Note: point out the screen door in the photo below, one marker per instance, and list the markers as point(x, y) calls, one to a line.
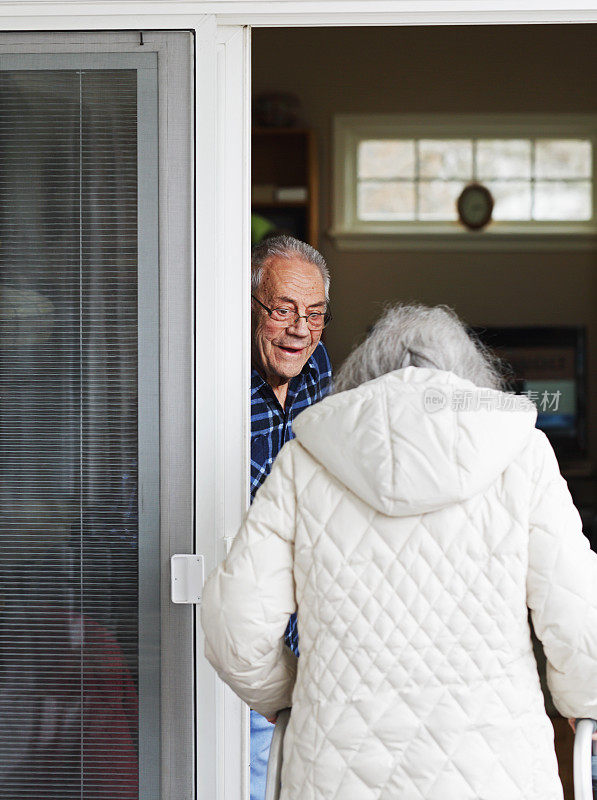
point(79, 427)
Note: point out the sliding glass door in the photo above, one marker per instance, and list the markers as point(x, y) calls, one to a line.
point(79, 427)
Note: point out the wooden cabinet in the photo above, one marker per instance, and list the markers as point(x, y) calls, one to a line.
point(285, 180)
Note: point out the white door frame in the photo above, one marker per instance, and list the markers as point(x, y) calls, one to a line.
point(222, 31)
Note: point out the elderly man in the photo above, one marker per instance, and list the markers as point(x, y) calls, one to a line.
point(290, 371)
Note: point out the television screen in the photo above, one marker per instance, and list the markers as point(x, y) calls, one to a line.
point(548, 365)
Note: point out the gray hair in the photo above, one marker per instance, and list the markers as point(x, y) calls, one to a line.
point(420, 336)
point(286, 247)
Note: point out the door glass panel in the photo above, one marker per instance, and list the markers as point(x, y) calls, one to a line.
point(69, 456)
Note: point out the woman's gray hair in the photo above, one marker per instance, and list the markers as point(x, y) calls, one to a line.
point(286, 247)
point(420, 336)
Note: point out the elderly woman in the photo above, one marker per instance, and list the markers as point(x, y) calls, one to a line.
point(412, 524)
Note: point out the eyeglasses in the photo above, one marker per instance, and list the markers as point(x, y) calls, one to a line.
point(316, 320)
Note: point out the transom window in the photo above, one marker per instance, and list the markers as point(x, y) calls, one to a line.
point(420, 179)
point(403, 174)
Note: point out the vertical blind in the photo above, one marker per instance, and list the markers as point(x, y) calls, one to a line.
point(68, 435)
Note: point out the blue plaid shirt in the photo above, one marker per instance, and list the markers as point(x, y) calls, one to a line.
point(271, 426)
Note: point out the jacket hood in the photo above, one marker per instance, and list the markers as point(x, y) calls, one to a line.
point(416, 440)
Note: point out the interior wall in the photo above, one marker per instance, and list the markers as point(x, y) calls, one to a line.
point(534, 68)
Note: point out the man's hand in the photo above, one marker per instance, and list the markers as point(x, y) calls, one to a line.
point(272, 719)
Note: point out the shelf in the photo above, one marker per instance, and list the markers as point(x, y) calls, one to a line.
point(280, 204)
point(287, 157)
point(280, 131)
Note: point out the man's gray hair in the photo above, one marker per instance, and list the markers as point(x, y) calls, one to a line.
point(420, 336)
point(286, 247)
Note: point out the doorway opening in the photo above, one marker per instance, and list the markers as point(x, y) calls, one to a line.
point(308, 81)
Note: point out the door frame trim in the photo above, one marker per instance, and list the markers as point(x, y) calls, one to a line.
point(186, 14)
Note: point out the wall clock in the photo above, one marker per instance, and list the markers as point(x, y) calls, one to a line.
point(475, 206)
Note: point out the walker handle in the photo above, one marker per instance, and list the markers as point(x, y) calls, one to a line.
point(274, 762)
point(583, 740)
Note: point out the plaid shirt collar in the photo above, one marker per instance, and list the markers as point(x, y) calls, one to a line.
point(259, 384)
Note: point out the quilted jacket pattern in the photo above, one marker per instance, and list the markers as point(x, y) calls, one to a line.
point(412, 542)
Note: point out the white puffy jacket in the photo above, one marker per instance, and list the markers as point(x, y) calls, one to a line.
point(412, 537)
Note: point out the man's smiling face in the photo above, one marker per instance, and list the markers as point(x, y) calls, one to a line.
point(280, 351)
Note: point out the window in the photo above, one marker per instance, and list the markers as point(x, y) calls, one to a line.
point(398, 177)
point(70, 219)
point(96, 458)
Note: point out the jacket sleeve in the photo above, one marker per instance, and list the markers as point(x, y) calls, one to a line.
point(562, 590)
point(248, 599)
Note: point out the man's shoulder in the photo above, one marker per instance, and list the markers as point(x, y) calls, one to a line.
point(321, 361)
point(257, 382)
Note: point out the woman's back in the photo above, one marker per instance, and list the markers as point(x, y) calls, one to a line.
point(413, 522)
point(417, 676)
